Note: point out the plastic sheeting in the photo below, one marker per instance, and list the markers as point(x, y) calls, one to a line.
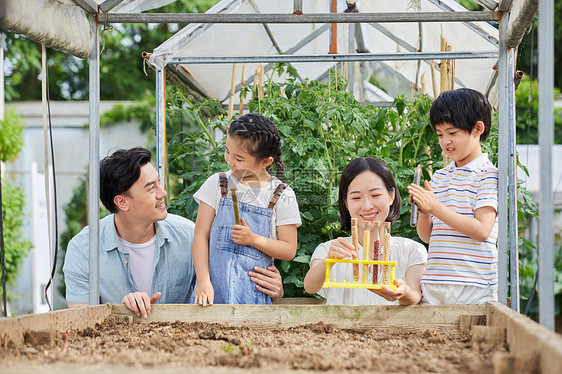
point(62, 26)
point(393, 77)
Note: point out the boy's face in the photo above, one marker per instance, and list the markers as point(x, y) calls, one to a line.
point(461, 146)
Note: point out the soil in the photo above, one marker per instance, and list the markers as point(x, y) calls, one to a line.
point(319, 347)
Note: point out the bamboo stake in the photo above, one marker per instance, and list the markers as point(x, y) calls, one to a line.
point(242, 93)
point(355, 242)
point(366, 249)
point(434, 79)
point(444, 67)
point(445, 159)
point(422, 83)
point(232, 90)
point(235, 205)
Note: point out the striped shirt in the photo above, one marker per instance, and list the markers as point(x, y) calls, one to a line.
point(455, 258)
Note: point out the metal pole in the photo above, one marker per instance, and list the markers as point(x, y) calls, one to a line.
point(113, 17)
point(335, 57)
point(512, 183)
point(160, 123)
point(546, 134)
point(94, 172)
point(503, 124)
point(2, 99)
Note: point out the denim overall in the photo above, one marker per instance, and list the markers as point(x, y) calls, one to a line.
point(229, 263)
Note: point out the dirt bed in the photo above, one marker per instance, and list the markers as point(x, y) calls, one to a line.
point(319, 347)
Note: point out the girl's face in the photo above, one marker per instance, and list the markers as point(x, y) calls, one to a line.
point(367, 199)
point(244, 166)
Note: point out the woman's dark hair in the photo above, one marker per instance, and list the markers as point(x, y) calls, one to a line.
point(462, 108)
point(119, 172)
point(352, 170)
point(261, 139)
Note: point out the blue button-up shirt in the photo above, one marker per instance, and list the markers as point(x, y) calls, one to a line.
point(174, 275)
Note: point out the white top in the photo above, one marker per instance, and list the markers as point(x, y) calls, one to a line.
point(285, 212)
point(405, 252)
point(141, 263)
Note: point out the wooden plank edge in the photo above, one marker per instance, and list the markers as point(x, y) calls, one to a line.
point(12, 329)
point(527, 337)
point(344, 316)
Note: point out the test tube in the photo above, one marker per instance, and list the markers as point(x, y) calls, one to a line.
point(366, 248)
point(235, 205)
point(355, 242)
point(385, 268)
point(414, 213)
point(376, 251)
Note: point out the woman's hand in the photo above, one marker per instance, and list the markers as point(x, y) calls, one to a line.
point(391, 295)
point(342, 248)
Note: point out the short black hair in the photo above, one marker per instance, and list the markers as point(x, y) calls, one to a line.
point(462, 108)
point(352, 170)
point(119, 172)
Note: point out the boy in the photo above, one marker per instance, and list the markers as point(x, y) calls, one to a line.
point(458, 208)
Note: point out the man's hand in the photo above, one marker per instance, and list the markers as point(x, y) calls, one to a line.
point(268, 281)
point(139, 302)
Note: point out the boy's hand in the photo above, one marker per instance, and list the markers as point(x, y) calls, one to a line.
point(242, 234)
point(204, 293)
point(424, 198)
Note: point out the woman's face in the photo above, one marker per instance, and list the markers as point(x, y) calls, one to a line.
point(367, 199)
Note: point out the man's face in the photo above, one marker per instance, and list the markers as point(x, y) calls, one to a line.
point(145, 198)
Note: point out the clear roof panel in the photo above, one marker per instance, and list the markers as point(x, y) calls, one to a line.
point(392, 77)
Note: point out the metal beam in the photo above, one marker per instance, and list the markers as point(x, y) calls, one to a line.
point(335, 58)
point(89, 6)
point(502, 163)
point(107, 5)
point(94, 172)
point(474, 27)
point(546, 134)
point(505, 5)
point(161, 124)
point(404, 44)
point(490, 4)
point(292, 18)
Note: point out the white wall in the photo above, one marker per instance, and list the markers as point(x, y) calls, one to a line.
point(71, 144)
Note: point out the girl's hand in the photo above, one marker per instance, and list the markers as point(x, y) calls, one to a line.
point(424, 198)
point(242, 234)
point(389, 294)
point(204, 293)
point(341, 248)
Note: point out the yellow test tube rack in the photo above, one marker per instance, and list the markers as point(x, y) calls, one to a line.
point(365, 281)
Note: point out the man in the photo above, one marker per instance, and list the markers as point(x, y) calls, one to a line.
point(143, 250)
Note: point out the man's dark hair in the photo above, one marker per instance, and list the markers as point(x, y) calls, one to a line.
point(462, 108)
point(119, 172)
point(352, 170)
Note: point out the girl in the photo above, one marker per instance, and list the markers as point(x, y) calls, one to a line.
point(368, 192)
point(224, 253)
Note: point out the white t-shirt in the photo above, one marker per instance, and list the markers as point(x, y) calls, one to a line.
point(141, 263)
point(405, 252)
point(285, 212)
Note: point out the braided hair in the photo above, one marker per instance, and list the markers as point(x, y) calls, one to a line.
point(261, 138)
